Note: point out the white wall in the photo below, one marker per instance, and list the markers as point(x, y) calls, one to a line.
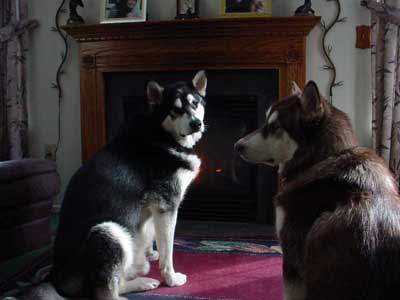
point(353, 66)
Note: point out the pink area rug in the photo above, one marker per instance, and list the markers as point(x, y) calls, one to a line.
point(217, 269)
point(223, 269)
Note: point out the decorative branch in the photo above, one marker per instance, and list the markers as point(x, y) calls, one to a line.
point(327, 49)
point(63, 55)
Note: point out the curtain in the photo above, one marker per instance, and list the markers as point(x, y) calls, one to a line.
point(13, 107)
point(385, 33)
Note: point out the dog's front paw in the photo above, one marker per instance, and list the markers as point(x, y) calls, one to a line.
point(145, 284)
point(175, 279)
point(152, 255)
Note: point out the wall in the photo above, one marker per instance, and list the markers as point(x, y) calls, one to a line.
point(353, 67)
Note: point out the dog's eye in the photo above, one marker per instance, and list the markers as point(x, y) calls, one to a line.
point(195, 104)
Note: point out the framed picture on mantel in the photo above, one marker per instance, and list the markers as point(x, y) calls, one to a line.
point(121, 11)
point(187, 9)
point(245, 8)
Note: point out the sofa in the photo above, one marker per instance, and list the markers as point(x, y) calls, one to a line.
point(28, 188)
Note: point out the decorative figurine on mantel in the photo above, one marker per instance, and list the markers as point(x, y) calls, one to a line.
point(74, 17)
point(187, 9)
point(305, 9)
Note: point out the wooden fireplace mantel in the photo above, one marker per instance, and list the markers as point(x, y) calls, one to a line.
point(211, 44)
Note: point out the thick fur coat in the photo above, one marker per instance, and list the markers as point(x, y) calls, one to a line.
point(127, 195)
point(338, 213)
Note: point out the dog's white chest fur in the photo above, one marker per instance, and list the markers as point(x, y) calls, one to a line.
point(185, 176)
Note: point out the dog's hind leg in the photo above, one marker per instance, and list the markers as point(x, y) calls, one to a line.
point(164, 224)
point(108, 253)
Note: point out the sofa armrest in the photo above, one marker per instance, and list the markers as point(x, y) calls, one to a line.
point(11, 170)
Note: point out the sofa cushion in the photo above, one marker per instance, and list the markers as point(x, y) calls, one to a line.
point(29, 189)
point(11, 217)
point(11, 170)
point(24, 238)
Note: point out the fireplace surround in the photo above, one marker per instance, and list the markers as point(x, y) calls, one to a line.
point(216, 45)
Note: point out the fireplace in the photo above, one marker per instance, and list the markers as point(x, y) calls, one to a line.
point(270, 51)
point(227, 189)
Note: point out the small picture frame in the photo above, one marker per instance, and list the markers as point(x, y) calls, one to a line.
point(187, 9)
point(245, 8)
point(122, 11)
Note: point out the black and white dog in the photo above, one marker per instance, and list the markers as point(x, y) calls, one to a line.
point(127, 195)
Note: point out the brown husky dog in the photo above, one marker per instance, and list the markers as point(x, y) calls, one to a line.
point(338, 214)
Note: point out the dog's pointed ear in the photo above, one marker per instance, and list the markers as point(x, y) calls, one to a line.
point(296, 91)
point(311, 102)
point(200, 82)
point(154, 93)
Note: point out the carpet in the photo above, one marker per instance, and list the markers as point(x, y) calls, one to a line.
point(217, 269)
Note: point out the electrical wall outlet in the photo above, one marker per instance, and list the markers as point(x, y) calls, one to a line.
point(50, 151)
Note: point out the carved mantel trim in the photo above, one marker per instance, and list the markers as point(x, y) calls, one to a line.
point(88, 61)
point(235, 43)
point(211, 28)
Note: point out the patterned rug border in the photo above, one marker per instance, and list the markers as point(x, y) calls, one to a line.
point(271, 236)
point(231, 253)
point(275, 247)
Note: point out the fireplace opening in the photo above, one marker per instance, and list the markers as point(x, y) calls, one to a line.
point(227, 188)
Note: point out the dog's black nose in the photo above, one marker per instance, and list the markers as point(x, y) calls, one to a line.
point(195, 125)
point(239, 147)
